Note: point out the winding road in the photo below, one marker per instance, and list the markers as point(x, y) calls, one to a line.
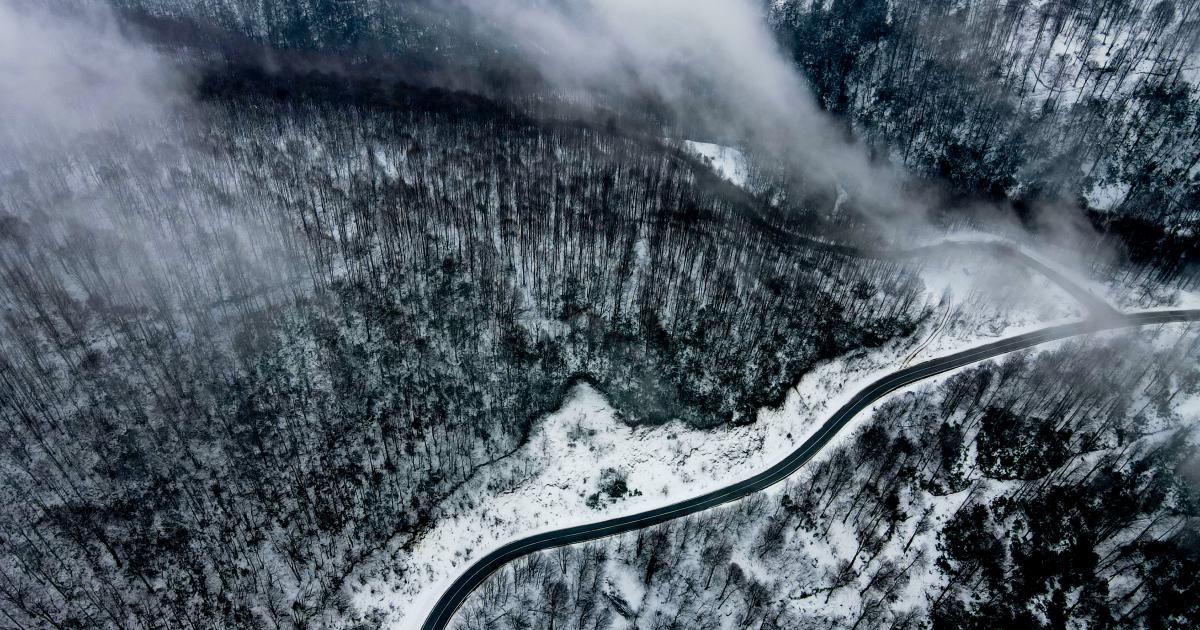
point(443, 611)
point(1000, 249)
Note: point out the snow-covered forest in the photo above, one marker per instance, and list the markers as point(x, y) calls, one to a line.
point(1035, 491)
point(285, 285)
point(1089, 103)
point(365, 307)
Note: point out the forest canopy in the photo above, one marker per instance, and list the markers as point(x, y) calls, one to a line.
point(280, 279)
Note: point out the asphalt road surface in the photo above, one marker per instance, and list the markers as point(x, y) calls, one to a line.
point(457, 593)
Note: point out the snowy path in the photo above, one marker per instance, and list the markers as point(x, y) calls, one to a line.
point(1096, 306)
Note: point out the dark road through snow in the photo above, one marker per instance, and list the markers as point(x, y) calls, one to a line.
point(443, 611)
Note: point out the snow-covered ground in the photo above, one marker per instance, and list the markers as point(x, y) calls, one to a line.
point(841, 543)
point(731, 164)
point(728, 162)
point(1122, 291)
point(927, 578)
point(972, 301)
point(1146, 296)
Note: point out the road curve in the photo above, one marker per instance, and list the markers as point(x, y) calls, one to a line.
point(787, 238)
point(443, 611)
point(1094, 306)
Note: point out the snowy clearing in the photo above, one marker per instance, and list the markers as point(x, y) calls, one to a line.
point(728, 162)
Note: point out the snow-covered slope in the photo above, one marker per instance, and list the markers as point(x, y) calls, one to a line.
point(973, 301)
point(728, 162)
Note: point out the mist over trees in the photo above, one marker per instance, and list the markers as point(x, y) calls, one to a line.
point(316, 265)
point(1090, 104)
point(1079, 117)
point(242, 355)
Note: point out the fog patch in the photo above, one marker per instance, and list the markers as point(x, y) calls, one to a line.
point(63, 74)
point(716, 67)
point(99, 158)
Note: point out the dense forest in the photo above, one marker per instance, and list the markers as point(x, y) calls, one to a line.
point(1090, 103)
point(1068, 111)
point(1044, 491)
point(241, 355)
point(252, 340)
